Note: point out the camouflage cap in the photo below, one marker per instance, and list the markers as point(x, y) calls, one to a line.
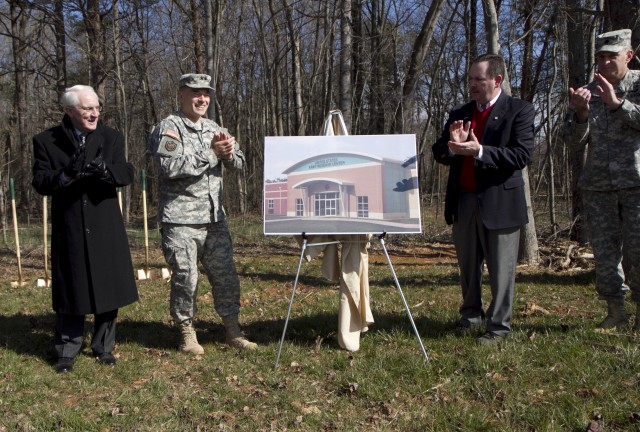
point(196, 81)
point(613, 41)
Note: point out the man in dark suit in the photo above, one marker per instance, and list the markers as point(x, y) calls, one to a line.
point(486, 143)
point(79, 163)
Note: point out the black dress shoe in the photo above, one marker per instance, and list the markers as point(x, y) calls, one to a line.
point(106, 358)
point(489, 339)
point(64, 364)
point(465, 327)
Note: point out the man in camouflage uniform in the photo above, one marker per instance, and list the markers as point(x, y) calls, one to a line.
point(190, 151)
point(606, 116)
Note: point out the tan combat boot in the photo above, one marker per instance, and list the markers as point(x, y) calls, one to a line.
point(189, 340)
point(234, 335)
point(616, 315)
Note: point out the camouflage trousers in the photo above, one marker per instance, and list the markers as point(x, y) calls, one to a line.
point(184, 246)
point(613, 221)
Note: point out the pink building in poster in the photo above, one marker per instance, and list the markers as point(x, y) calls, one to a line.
point(347, 185)
point(275, 198)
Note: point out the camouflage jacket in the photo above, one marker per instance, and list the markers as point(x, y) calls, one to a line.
point(190, 174)
point(612, 138)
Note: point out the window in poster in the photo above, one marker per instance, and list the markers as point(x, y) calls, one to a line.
point(355, 184)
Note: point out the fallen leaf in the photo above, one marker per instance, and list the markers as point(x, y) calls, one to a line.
point(594, 426)
point(311, 410)
point(533, 309)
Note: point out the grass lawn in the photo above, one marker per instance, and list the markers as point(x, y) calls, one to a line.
point(554, 372)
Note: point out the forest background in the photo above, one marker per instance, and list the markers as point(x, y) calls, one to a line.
point(279, 67)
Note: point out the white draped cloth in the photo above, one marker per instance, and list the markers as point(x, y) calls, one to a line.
point(351, 269)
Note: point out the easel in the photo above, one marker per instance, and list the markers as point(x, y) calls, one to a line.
point(335, 119)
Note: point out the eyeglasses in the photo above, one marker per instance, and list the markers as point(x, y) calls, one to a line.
point(90, 109)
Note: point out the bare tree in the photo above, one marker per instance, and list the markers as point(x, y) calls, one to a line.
point(418, 55)
point(577, 77)
point(61, 47)
point(19, 150)
point(96, 44)
point(296, 68)
point(346, 89)
point(528, 252)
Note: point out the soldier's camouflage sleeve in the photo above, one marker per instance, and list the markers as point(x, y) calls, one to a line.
point(575, 134)
point(167, 147)
point(629, 114)
point(237, 162)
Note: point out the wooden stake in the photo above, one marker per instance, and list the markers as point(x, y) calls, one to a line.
point(146, 273)
point(119, 192)
point(146, 227)
point(20, 281)
point(46, 282)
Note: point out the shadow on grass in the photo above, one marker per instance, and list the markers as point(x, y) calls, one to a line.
point(28, 334)
point(586, 277)
point(32, 335)
point(281, 277)
point(308, 330)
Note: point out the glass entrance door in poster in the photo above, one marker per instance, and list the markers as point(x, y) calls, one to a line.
point(327, 204)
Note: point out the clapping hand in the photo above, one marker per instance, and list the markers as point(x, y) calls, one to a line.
point(96, 167)
point(76, 163)
point(606, 91)
point(579, 102)
point(223, 145)
point(462, 140)
point(459, 130)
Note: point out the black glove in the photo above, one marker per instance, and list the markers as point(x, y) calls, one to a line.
point(76, 162)
point(96, 167)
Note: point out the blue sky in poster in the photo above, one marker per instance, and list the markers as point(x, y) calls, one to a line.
point(283, 152)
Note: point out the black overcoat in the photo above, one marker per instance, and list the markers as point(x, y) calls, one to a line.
point(90, 259)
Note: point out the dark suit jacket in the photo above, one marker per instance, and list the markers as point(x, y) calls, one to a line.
point(90, 260)
point(507, 147)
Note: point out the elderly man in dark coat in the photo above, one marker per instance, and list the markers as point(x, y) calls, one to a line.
point(80, 163)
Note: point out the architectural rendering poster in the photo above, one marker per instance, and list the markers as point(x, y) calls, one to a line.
point(356, 184)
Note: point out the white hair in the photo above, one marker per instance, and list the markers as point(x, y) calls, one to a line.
point(70, 95)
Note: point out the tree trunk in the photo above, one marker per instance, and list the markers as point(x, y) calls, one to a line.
point(526, 87)
point(197, 33)
point(276, 75)
point(296, 69)
point(418, 54)
point(212, 13)
point(377, 92)
point(529, 252)
point(120, 97)
point(61, 51)
point(577, 78)
point(96, 39)
point(20, 151)
point(471, 29)
point(345, 95)
point(357, 49)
